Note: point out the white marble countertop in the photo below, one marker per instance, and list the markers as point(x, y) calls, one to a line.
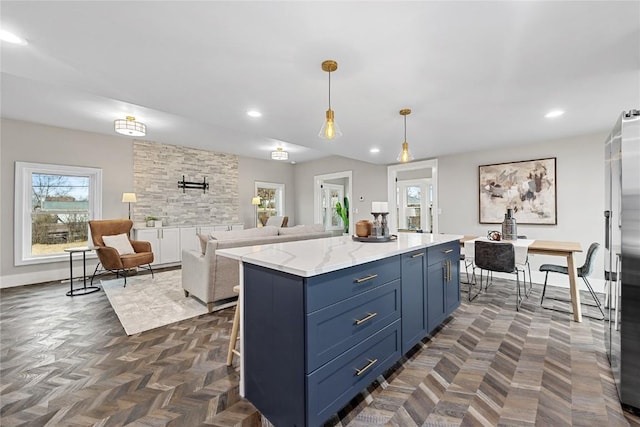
point(307, 258)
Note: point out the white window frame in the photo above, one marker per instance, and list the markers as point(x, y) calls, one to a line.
point(23, 206)
point(279, 194)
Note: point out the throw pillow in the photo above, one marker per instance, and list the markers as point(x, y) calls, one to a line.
point(120, 242)
point(203, 242)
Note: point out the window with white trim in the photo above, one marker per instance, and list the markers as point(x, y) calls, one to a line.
point(53, 204)
point(271, 201)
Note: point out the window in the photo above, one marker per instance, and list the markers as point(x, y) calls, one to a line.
point(271, 201)
point(53, 205)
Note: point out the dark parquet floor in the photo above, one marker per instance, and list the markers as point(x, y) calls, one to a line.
point(68, 362)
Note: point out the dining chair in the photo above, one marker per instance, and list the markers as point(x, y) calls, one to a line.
point(584, 271)
point(499, 257)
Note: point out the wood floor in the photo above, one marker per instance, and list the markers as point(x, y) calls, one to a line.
point(66, 361)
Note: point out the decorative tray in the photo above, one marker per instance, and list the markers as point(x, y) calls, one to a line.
point(375, 239)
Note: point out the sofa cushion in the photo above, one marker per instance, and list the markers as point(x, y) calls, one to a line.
point(301, 229)
point(120, 242)
point(245, 234)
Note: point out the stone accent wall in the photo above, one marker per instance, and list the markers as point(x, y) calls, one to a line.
point(157, 168)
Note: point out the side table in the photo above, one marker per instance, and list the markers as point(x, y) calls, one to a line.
point(85, 289)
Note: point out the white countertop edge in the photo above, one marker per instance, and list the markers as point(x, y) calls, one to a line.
point(252, 255)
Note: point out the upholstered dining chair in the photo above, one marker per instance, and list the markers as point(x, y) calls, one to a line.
point(116, 251)
point(278, 221)
point(499, 257)
point(584, 272)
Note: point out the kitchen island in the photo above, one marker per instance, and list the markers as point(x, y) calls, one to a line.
point(321, 319)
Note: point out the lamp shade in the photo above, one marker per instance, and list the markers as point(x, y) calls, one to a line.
point(129, 198)
point(130, 127)
point(255, 201)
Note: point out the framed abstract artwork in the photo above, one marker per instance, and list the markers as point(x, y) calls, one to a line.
point(528, 187)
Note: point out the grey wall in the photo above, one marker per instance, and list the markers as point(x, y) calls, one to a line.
point(369, 181)
point(251, 170)
point(580, 186)
point(30, 142)
point(580, 194)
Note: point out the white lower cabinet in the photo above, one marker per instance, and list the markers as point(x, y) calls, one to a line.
point(165, 243)
point(189, 239)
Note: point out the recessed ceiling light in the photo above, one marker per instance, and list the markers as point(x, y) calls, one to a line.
point(8, 37)
point(254, 113)
point(554, 113)
point(374, 150)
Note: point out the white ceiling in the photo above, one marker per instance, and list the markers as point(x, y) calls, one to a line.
point(476, 74)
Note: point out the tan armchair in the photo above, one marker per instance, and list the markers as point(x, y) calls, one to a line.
point(109, 257)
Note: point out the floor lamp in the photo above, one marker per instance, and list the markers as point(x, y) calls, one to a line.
point(255, 202)
point(129, 198)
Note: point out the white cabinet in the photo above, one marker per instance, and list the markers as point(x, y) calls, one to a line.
point(165, 243)
point(189, 239)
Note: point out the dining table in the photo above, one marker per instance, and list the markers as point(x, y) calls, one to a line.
point(561, 249)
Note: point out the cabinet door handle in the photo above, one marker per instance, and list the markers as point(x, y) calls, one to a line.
point(366, 368)
point(448, 251)
point(366, 318)
point(364, 279)
point(417, 255)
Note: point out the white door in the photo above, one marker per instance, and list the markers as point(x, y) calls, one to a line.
point(331, 194)
point(413, 201)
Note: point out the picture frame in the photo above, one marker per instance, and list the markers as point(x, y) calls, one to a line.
point(527, 186)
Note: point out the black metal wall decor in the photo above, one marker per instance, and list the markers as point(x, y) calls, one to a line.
point(204, 185)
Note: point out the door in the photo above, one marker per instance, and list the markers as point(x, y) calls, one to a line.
point(330, 195)
point(414, 298)
point(413, 201)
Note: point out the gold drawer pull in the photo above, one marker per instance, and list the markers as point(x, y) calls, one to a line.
point(417, 255)
point(364, 319)
point(364, 279)
point(366, 368)
point(448, 251)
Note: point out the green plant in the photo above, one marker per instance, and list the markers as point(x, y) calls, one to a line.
point(344, 213)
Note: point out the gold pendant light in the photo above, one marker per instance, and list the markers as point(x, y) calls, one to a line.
point(405, 155)
point(329, 128)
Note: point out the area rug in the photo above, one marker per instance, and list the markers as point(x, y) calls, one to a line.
point(147, 303)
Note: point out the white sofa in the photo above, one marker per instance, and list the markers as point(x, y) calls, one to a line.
point(211, 278)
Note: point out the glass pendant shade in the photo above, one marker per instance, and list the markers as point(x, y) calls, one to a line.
point(330, 128)
point(405, 155)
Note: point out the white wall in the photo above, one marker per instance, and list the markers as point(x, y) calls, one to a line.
point(580, 196)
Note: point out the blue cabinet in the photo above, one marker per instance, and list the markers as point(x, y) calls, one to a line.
point(312, 344)
point(443, 282)
point(414, 298)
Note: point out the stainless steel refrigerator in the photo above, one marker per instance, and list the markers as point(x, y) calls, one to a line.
point(622, 256)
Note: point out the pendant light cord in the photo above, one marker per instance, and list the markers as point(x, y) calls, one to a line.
point(329, 90)
point(405, 128)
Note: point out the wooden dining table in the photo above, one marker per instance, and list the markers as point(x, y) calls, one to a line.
point(561, 249)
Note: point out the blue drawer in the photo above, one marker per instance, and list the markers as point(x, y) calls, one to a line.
point(340, 326)
point(441, 252)
point(330, 288)
point(336, 383)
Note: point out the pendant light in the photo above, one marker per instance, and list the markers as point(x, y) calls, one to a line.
point(405, 155)
point(329, 128)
